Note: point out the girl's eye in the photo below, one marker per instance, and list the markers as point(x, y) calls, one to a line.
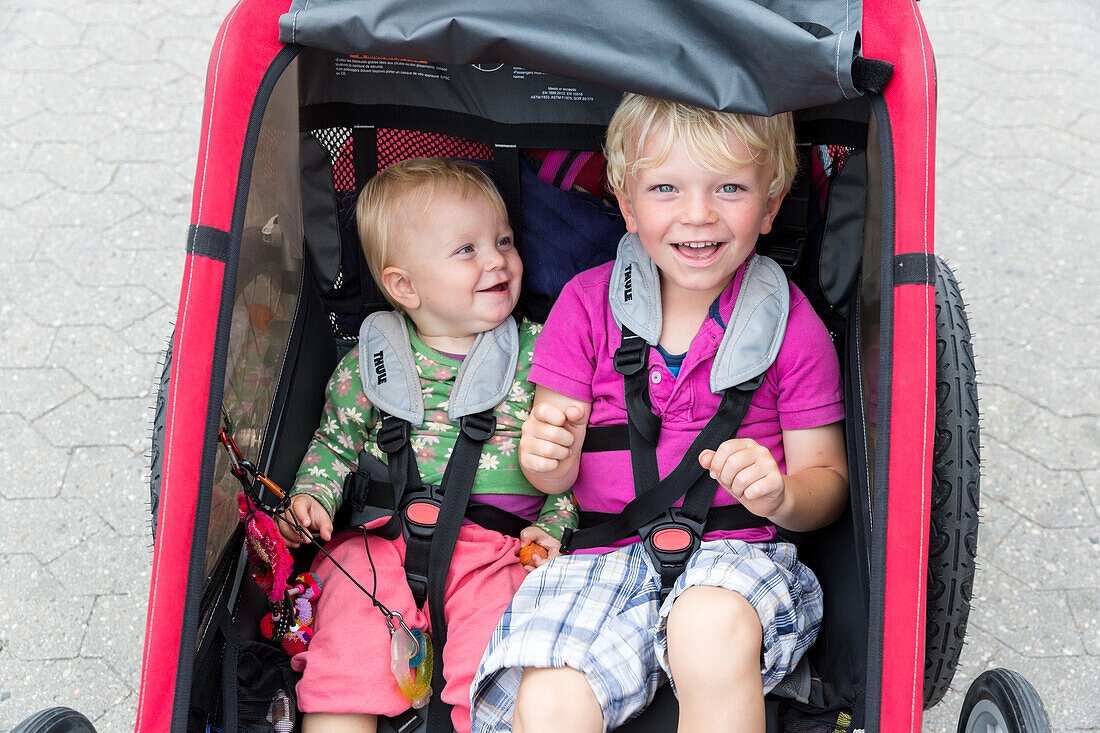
point(465, 250)
point(730, 188)
point(505, 242)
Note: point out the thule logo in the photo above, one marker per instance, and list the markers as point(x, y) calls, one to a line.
point(380, 367)
point(628, 290)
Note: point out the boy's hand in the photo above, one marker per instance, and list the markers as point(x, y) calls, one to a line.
point(749, 473)
point(533, 537)
point(552, 435)
point(310, 514)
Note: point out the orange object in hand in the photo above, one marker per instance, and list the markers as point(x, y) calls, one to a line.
point(528, 551)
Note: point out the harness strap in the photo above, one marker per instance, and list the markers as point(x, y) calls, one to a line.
point(670, 534)
point(724, 518)
point(649, 504)
point(458, 482)
point(430, 518)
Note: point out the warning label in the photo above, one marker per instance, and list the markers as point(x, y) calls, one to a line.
point(518, 72)
point(346, 65)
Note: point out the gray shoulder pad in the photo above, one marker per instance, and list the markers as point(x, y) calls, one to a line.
point(756, 328)
point(387, 367)
point(635, 290)
point(487, 372)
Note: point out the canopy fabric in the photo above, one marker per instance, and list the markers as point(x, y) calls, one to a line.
point(760, 57)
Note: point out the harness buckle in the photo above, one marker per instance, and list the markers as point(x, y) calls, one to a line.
point(420, 512)
point(480, 426)
point(630, 357)
point(671, 539)
point(393, 434)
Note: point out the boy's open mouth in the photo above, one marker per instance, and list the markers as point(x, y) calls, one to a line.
point(697, 250)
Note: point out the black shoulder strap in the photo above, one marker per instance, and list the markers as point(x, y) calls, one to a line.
point(650, 503)
point(457, 483)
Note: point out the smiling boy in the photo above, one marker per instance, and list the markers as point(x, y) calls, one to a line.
point(586, 640)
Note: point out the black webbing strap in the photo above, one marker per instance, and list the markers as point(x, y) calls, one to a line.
point(647, 506)
point(430, 548)
point(457, 483)
point(393, 440)
point(631, 360)
point(722, 518)
point(606, 438)
point(367, 497)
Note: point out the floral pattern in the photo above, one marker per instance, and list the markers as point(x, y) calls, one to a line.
point(349, 423)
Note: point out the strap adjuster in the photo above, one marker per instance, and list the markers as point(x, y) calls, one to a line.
point(393, 434)
point(630, 357)
point(566, 540)
point(357, 488)
point(480, 426)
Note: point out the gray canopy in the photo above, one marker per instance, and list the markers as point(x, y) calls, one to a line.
point(736, 55)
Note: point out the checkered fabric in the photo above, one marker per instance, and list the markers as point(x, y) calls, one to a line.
point(599, 614)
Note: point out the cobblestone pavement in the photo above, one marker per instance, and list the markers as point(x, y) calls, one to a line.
point(100, 105)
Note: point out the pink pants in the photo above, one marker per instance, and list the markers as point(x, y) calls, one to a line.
point(346, 668)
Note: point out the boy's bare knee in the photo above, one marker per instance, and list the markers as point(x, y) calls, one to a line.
point(556, 699)
point(723, 613)
point(709, 625)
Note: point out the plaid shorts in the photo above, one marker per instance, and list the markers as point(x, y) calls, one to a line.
point(599, 614)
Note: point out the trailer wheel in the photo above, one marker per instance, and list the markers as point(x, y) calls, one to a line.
point(953, 534)
point(156, 454)
point(55, 720)
point(1002, 701)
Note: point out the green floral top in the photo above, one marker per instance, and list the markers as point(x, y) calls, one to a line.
point(349, 423)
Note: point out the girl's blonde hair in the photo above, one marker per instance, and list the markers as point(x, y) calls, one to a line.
point(409, 184)
point(649, 123)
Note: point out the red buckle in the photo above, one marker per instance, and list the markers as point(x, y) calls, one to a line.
point(422, 513)
point(671, 539)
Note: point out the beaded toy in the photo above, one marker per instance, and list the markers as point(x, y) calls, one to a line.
point(270, 565)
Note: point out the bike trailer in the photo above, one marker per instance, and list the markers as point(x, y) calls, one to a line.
point(304, 104)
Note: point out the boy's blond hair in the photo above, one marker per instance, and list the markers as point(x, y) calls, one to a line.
point(409, 184)
point(641, 121)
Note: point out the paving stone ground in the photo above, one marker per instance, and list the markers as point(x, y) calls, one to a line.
point(100, 105)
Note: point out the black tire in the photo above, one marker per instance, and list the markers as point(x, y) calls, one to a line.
point(953, 534)
point(156, 455)
point(55, 720)
point(1002, 701)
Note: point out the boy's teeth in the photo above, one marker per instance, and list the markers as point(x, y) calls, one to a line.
point(697, 245)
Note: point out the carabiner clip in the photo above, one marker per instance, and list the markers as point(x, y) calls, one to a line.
point(411, 661)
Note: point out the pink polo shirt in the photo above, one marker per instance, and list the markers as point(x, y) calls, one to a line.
point(574, 355)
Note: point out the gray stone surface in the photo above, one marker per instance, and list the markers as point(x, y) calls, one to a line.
point(1016, 217)
point(100, 110)
point(100, 105)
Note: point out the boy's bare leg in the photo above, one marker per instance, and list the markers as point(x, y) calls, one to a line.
point(714, 642)
point(339, 723)
point(556, 700)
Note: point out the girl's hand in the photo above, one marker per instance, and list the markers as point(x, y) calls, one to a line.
point(749, 473)
point(310, 514)
point(536, 536)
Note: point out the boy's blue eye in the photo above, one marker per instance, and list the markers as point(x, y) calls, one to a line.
point(731, 188)
point(664, 188)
